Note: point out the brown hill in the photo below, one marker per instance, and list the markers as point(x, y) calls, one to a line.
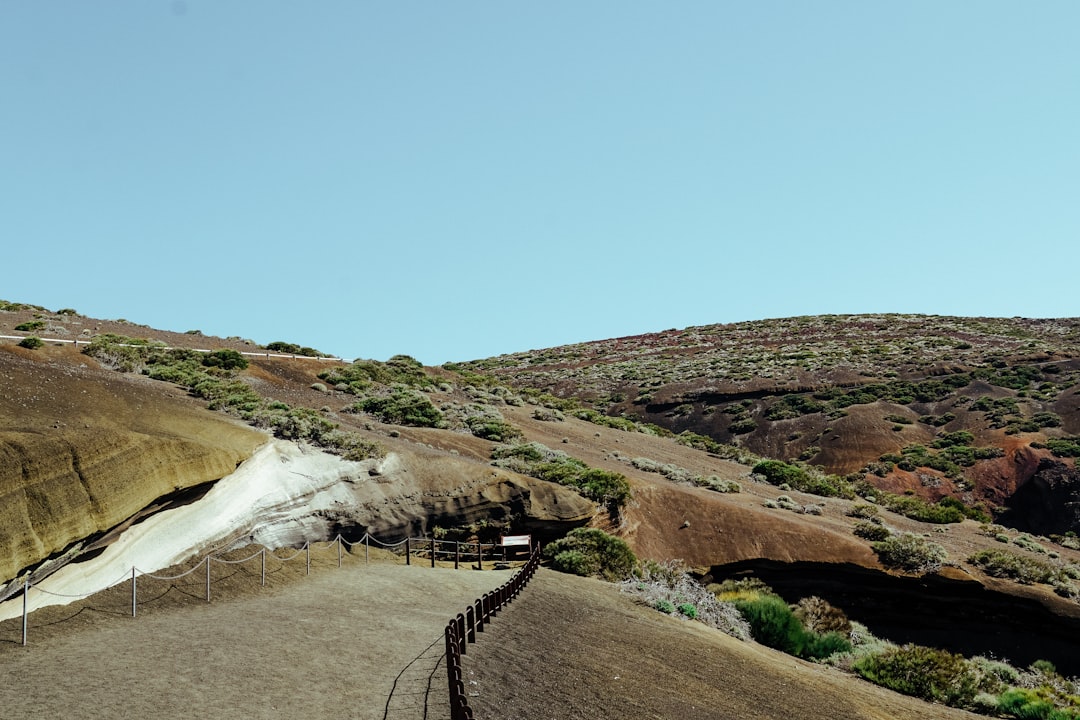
point(115, 445)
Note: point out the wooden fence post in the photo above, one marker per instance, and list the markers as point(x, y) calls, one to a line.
point(432, 543)
point(408, 552)
point(457, 554)
point(132, 591)
point(262, 569)
point(207, 578)
point(480, 555)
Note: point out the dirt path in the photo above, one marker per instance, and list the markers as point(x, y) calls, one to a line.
point(359, 642)
point(571, 648)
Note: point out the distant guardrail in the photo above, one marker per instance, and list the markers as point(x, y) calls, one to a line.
point(77, 342)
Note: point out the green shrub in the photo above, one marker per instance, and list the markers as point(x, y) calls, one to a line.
point(863, 511)
point(927, 673)
point(492, 428)
point(910, 553)
point(688, 610)
point(592, 552)
point(664, 606)
point(31, 326)
point(773, 623)
point(871, 531)
point(403, 406)
point(1029, 705)
point(31, 343)
point(293, 349)
point(225, 359)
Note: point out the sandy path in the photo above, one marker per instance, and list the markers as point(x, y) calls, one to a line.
point(329, 645)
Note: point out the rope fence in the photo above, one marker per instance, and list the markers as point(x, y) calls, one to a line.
point(421, 548)
point(462, 630)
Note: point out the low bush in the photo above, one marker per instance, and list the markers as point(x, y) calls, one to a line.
point(493, 428)
point(1028, 704)
point(31, 343)
point(1004, 564)
point(31, 326)
point(403, 406)
point(225, 359)
point(293, 349)
point(774, 623)
point(910, 553)
point(592, 552)
point(871, 531)
point(927, 673)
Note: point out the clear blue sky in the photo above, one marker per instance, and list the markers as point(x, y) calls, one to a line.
point(456, 180)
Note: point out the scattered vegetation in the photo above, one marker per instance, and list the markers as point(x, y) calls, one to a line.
point(31, 342)
point(537, 460)
point(682, 475)
point(212, 377)
point(804, 479)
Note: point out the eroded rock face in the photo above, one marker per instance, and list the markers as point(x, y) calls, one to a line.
point(410, 494)
point(1049, 502)
point(59, 489)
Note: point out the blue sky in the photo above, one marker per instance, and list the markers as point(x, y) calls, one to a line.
point(457, 180)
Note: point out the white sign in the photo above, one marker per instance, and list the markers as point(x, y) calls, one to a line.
point(517, 540)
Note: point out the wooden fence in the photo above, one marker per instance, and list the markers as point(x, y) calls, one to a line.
point(462, 630)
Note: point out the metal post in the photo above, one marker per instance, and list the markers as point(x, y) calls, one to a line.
point(307, 558)
point(207, 578)
point(262, 573)
point(25, 594)
point(408, 552)
point(133, 591)
point(367, 548)
point(339, 551)
point(432, 552)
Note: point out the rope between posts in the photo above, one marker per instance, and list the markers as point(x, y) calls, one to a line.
point(174, 577)
point(387, 545)
point(223, 561)
point(291, 557)
point(76, 596)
